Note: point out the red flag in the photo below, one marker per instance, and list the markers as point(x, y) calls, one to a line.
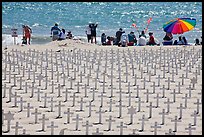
point(149, 20)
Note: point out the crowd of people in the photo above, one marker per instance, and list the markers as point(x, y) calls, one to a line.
point(120, 39)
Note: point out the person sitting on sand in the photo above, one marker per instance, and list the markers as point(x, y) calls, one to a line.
point(185, 40)
point(143, 34)
point(103, 39)
point(132, 39)
point(55, 31)
point(180, 41)
point(123, 40)
point(168, 39)
point(69, 35)
point(62, 35)
point(27, 33)
point(175, 42)
point(109, 41)
point(151, 39)
point(197, 42)
point(142, 41)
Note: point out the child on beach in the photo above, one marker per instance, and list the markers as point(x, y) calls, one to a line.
point(69, 35)
point(24, 41)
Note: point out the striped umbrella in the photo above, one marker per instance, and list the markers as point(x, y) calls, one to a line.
point(179, 25)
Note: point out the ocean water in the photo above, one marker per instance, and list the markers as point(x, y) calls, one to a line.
point(111, 16)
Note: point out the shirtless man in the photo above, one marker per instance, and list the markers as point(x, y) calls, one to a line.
point(27, 33)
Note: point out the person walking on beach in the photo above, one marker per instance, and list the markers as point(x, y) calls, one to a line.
point(27, 33)
point(93, 32)
point(88, 31)
point(55, 31)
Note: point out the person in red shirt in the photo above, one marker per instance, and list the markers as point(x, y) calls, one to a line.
point(151, 39)
point(27, 33)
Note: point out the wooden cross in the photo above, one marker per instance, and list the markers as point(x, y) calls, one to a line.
point(190, 128)
point(194, 117)
point(90, 108)
point(143, 119)
point(175, 125)
point(45, 101)
point(100, 116)
point(198, 103)
point(155, 128)
point(52, 127)
point(163, 113)
point(120, 108)
point(51, 105)
point(157, 102)
point(68, 115)
point(110, 120)
point(87, 127)
point(59, 109)
point(16, 127)
point(168, 105)
point(36, 113)
point(97, 132)
point(77, 121)
point(121, 128)
point(28, 109)
point(150, 109)
point(81, 104)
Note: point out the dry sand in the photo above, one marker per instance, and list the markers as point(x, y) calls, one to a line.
point(80, 55)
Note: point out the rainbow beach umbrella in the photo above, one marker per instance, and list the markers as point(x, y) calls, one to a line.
point(179, 25)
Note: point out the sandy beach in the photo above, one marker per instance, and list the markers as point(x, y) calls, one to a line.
point(121, 83)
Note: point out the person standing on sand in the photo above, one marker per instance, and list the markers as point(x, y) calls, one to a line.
point(88, 31)
point(27, 33)
point(55, 31)
point(118, 36)
point(93, 32)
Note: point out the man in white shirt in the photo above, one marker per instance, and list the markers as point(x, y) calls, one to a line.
point(142, 41)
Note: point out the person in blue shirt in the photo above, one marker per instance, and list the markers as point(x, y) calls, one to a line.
point(55, 31)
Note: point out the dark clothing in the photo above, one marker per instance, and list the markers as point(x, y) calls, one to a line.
point(167, 38)
point(118, 36)
point(55, 30)
point(93, 30)
point(103, 39)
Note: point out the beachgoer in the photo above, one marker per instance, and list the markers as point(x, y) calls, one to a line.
point(103, 39)
point(24, 41)
point(124, 40)
point(55, 31)
point(142, 41)
point(132, 39)
point(143, 34)
point(168, 39)
point(62, 35)
point(197, 42)
point(27, 33)
point(175, 42)
point(88, 31)
point(118, 36)
point(180, 41)
point(185, 40)
point(109, 41)
point(93, 32)
point(69, 35)
point(151, 39)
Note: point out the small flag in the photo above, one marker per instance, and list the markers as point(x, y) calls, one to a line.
point(134, 25)
point(149, 20)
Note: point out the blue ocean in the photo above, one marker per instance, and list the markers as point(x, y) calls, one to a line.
point(111, 16)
